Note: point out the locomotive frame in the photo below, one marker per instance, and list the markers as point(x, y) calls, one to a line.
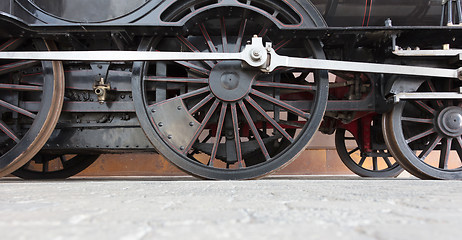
point(181, 74)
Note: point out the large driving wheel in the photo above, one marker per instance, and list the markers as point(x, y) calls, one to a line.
point(55, 167)
point(29, 111)
point(220, 120)
point(425, 135)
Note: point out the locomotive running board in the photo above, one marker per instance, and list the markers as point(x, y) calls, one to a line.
point(254, 54)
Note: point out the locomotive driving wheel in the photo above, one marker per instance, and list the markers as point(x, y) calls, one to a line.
point(425, 135)
point(29, 111)
point(375, 161)
point(44, 166)
point(223, 120)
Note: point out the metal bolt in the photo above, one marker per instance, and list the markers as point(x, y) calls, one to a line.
point(181, 148)
point(191, 124)
point(179, 108)
point(153, 110)
point(169, 136)
point(161, 124)
point(256, 55)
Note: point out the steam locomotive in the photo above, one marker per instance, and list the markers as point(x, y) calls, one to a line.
point(231, 89)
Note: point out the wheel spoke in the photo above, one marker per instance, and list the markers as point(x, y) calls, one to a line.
point(270, 119)
point(188, 44)
point(433, 89)
point(353, 151)
point(173, 79)
point(374, 164)
point(421, 135)
point(429, 148)
point(281, 104)
point(221, 122)
point(284, 85)
point(195, 92)
point(237, 139)
point(45, 166)
point(417, 120)
point(207, 38)
point(224, 38)
point(8, 131)
point(263, 31)
point(191, 47)
point(20, 87)
point(255, 132)
point(17, 66)
point(426, 107)
point(458, 147)
point(17, 109)
point(11, 44)
point(445, 151)
point(63, 160)
point(361, 162)
point(184, 96)
point(201, 104)
point(194, 67)
point(202, 126)
point(281, 44)
point(240, 36)
point(388, 162)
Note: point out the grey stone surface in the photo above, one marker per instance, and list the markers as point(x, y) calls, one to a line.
point(272, 208)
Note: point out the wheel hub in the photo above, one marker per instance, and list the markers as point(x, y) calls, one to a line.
point(449, 121)
point(230, 82)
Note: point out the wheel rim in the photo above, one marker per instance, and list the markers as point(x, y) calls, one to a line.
point(55, 167)
point(418, 130)
point(30, 111)
point(378, 163)
point(237, 99)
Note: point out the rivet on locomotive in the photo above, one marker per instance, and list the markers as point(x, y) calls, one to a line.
point(231, 89)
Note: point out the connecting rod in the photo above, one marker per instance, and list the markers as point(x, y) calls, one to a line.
point(254, 54)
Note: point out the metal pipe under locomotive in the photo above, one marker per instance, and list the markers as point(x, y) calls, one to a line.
point(231, 119)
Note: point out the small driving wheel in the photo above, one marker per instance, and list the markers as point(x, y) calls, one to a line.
point(222, 120)
point(425, 135)
point(377, 162)
point(29, 111)
point(55, 167)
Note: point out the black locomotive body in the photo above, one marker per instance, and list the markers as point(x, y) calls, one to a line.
point(109, 76)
